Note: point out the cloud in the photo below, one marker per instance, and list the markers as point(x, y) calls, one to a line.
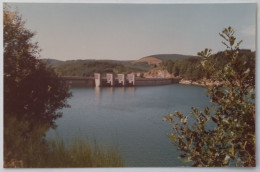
point(249, 30)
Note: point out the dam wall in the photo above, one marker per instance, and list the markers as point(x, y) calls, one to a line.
point(79, 81)
point(152, 81)
point(120, 81)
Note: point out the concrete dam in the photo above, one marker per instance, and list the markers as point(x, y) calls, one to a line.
point(122, 80)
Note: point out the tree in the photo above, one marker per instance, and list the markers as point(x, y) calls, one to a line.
point(189, 68)
point(176, 70)
point(32, 91)
point(223, 134)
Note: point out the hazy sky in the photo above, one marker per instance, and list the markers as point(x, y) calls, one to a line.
point(132, 31)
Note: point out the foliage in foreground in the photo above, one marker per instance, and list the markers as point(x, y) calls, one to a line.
point(32, 95)
point(32, 91)
point(54, 154)
point(224, 133)
point(82, 154)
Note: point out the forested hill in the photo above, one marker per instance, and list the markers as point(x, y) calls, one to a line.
point(159, 58)
point(89, 67)
point(173, 57)
point(52, 62)
point(191, 69)
point(187, 67)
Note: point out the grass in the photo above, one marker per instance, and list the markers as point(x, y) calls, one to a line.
point(58, 155)
point(82, 154)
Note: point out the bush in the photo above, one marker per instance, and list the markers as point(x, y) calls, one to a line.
point(32, 91)
point(231, 137)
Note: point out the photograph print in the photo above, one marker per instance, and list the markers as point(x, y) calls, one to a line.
point(129, 85)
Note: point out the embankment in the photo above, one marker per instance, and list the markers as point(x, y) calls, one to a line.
point(202, 82)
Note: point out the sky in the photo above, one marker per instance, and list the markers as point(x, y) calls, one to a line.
point(67, 31)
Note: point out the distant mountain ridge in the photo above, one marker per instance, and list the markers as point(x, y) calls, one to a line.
point(152, 59)
point(158, 58)
point(149, 60)
point(88, 67)
point(52, 62)
point(180, 65)
point(172, 57)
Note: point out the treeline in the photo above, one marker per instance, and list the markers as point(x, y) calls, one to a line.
point(188, 68)
point(191, 68)
point(89, 67)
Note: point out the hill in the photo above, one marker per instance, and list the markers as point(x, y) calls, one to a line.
point(184, 66)
point(89, 67)
point(173, 57)
point(159, 58)
point(191, 68)
point(52, 62)
point(149, 60)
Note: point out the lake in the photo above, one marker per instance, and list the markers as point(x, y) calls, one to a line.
point(129, 119)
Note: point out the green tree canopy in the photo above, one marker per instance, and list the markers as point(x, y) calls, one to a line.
point(32, 92)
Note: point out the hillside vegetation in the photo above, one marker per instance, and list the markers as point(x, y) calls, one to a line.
point(173, 57)
point(187, 67)
point(89, 67)
point(157, 59)
point(149, 60)
point(191, 68)
point(52, 62)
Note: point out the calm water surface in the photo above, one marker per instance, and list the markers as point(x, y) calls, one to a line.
point(129, 119)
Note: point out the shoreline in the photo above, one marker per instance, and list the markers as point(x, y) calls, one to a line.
point(202, 83)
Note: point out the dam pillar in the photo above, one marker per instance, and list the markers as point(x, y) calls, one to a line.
point(121, 79)
point(111, 79)
point(131, 78)
point(97, 77)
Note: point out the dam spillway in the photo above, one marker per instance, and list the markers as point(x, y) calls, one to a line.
point(119, 80)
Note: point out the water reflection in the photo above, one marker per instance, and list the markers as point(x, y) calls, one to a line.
point(121, 90)
point(131, 89)
point(97, 93)
point(110, 90)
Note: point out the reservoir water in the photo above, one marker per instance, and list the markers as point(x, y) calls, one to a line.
point(129, 119)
